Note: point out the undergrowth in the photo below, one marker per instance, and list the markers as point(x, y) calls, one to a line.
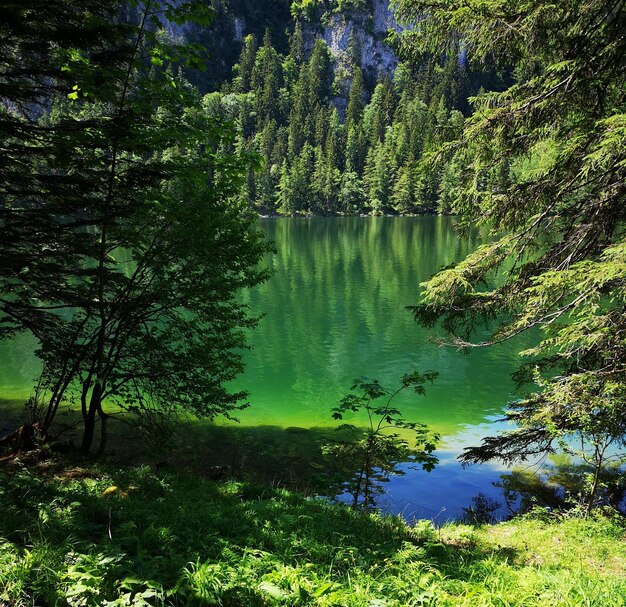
point(101, 536)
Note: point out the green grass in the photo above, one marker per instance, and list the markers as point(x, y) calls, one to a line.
point(100, 536)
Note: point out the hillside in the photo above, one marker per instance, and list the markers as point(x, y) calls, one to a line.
point(339, 124)
point(331, 20)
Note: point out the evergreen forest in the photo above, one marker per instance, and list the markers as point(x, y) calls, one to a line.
point(335, 139)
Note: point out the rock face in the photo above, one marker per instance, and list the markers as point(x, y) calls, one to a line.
point(370, 28)
point(239, 25)
point(235, 19)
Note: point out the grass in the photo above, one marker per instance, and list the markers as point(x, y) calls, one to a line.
point(103, 536)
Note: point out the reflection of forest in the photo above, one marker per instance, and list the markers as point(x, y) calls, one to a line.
point(335, 310)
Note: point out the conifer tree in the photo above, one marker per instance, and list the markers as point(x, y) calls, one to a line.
point(296, 45)
point(284, 194)
point(378, 177)
point(354, 112)
point(354, 49)
point(402, 193)
point(320, 72)
point(351, 195)
point(243, 69)
point(558, 226)
point(266, 81)
point(335, 141)
point(299, 112)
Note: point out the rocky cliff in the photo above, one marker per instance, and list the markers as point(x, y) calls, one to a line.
point(369, 23)
point(371, 27)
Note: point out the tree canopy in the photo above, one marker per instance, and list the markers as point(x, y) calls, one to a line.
point(334, 136)
point(123, 247)
point(543, 165)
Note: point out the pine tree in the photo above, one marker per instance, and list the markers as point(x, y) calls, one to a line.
point(380, 111)
point(560, 223)
point(354, 49)
point(356, 149)
point(267, 81)
point(284, 194)
point(296, 44)
point(320, 72)
point(378, 177)
point(243, 69)
point(335, 141)
point(402, 195)
point(354, 112)
point(416, 123)
point(299, 113)
point(267, 177)
point(351, 196)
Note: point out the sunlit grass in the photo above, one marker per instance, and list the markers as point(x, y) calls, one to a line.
point(68, 538)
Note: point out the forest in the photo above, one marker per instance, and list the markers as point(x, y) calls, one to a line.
point(340, 138)
point(318, 302)
point(330, 143)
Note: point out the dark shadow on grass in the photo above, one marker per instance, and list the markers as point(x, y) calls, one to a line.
point(279, 457)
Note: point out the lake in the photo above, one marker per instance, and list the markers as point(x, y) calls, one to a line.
point(335, 310)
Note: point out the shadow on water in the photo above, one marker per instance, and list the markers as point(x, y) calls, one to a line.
point(295, 458)
point(12, 414)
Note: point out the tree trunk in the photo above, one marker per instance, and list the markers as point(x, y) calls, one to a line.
point(368, 473)
point(598, 461)
point(89, 417)
point(357, 490)
point(89, 427)
point(22, 440)
point(104, 418)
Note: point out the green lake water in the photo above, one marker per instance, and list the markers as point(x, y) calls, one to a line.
point(334, 310)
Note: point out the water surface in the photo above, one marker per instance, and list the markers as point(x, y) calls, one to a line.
point(335, 310)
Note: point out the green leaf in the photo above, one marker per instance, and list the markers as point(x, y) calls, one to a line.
point(272, 590)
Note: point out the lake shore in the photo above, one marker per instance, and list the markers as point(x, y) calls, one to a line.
point(95, 535)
